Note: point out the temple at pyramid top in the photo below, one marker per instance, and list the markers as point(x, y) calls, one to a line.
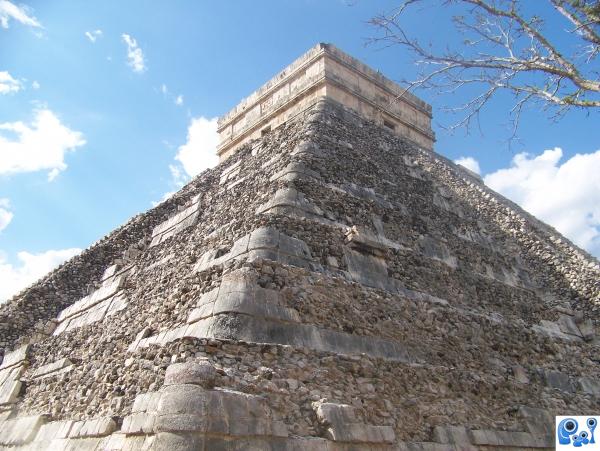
point(326, 71)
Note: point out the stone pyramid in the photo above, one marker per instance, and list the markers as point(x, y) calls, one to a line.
point(333, 284)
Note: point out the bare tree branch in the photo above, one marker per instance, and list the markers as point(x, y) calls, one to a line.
point(504, 50)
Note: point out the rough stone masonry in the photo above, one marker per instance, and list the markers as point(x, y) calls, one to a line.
point(332, 285)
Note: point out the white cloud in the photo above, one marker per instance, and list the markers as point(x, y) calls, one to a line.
point(135, 56)
point(21, 14)
point(42, 145)
point(469, 163)
point(164, 89)
point(35, 85)
point(31, 267)
point(8, 84)
point(93, 35)
point(179, 100)
point(565, 195)
point(199, 152)
point(5, 214)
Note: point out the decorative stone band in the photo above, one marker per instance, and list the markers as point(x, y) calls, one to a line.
point(240, 309)
point(239, 293)
point(105, 301)
point(53, 369)
point(12, 368)
point(230, 172)
point(39, 434)
point(267, 243)
point(289, 198)
point(175, 224)
point(20, 430)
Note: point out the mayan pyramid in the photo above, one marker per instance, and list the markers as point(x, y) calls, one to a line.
point(333, 284)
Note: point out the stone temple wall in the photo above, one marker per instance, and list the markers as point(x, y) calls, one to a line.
point(329, 287)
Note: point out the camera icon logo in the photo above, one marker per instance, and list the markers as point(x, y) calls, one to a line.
point(577, 431)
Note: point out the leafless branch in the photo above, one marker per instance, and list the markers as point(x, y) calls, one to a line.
point(504, 50)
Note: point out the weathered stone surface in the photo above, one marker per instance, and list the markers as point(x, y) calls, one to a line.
point(60, 366)
point(201, 373)
point(384, 278)
point(20, 430)
point(342, 425)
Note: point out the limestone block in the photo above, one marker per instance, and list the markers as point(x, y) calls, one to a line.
point(429, 446)
point(290, 198)
point(367, 269)
point(587, 330)
point(9, 391)
point(261, 244)
point(146, 402)
point(264, 237)
point(590, 385)
point(239, 294)
point(15, 357)
point(116, 442)
point(508, 439)
point(139, 443)
point(520, 374)
point(437, 250)
point(451, 434)
point(175, 224)
point(54, 430)
point(552, 329)
point(107, 290)
point(558, 380)
point(96, 427)
point(567, 325)
point(110, 272)
point(230, 172)
point(166, 441)
point(182, 399)
point(80, 444)
point(201, 373)
point(342, 425)
point(365, 241)
point(294, 171)
point(139, 423)
point(117, 304)
point(22, 430)
point(60, 366)
point(538, 421)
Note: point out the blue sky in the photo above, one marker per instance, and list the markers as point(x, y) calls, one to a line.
point(106, 107)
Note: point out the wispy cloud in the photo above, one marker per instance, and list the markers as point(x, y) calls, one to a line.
point(8, 84)
point(35, 85)
point(135, 56)
point(564, 194)
point(5, 214)
point(31, 267)
point(93, 35)
point(177, 100)
point(21, 14)
point(41, 145)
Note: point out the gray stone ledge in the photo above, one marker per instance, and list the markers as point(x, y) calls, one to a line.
point(267, 243)
point(177, 223)
point(257, 330)
point(51, 369)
